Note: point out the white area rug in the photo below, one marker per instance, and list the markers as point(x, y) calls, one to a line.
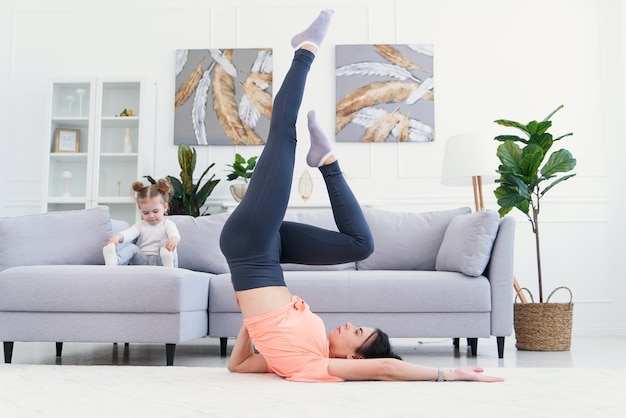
point(127, 391)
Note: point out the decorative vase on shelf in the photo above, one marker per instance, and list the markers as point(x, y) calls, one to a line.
point(238, 191)
point(67, 175)
point(70, 101)
point(81, 94)
point(305, 185)
point(128, 143)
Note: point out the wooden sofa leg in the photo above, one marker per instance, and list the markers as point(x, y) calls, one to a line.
point(473, 343)
point(59, 347)
point(8, 351)
point(455, 342)
point(500, 341)
point(170, 350)
point(223, 343)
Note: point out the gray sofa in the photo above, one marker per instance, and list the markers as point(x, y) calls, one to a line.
point(436, 274)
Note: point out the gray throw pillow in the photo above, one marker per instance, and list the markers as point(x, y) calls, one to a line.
point(199, 247)
point(65, 237)
point(406, 240)
point(466, 246)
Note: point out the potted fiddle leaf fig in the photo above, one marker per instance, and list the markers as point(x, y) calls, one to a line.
point(528, 170)
point(187, 197)
point(241, 168)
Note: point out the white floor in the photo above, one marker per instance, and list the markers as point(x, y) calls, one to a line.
point(586, 352)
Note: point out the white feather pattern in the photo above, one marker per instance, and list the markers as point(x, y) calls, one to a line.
point(263, 62)
point(419, 131)
point(217, 55)
point(426, 49)
point(248, 113)
point(367, 116)
point(396, 130)
point(376, 69)
point(181, 59)
point(427, 85)
point(198, 111)
point(262, 85)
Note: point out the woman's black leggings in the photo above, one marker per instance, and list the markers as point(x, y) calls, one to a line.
point(255, 239)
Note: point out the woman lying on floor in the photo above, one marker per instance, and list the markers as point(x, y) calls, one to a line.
point(290, 339)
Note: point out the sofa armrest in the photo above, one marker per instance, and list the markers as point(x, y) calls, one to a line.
point(500, 274)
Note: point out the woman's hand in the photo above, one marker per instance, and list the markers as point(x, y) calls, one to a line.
point(399, 370)
point(473, 374)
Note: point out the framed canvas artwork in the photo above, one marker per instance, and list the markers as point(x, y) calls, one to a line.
point(384, 93)
point(223, 96)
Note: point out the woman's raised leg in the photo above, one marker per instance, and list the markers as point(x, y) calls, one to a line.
point(250, 239)
point(306, 244)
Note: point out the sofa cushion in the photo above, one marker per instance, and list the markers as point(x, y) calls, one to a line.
point(404, 240)
point(372, 291)
point(467, 243)
point(145, 289)
point(199, 247)
point(66, 237)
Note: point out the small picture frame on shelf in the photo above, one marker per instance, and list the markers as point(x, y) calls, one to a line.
point(66, 140)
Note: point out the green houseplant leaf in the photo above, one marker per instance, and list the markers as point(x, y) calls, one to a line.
point(241, 168)
point(525, 164)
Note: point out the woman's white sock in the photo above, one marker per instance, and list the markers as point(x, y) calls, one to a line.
point(315, 33)
point(320, 146)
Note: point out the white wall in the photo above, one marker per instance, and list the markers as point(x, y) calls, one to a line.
point(515, 59)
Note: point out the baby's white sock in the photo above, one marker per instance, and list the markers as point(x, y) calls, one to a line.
point(110, 255)
point(167, 257)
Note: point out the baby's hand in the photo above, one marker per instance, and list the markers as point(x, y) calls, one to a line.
point(115, 239)
point(171, 244)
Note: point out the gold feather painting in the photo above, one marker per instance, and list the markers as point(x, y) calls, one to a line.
point(223, 96)
point(384, 93)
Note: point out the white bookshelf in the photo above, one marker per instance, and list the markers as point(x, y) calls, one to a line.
point(91, 167)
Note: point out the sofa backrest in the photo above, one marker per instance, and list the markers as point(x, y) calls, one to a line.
point(402, 240)
point(406, 240)
point(65, 237)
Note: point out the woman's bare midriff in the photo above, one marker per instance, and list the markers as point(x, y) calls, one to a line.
point(262, 300)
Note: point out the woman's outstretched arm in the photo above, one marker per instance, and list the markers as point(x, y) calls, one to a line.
point(393, 369)
point(243, 359)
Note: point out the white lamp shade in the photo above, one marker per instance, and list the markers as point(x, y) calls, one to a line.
point(469, 154)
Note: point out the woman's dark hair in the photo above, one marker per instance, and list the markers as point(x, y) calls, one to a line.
point(377, 345)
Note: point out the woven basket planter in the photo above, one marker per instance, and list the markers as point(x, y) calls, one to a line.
point(543, 326)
